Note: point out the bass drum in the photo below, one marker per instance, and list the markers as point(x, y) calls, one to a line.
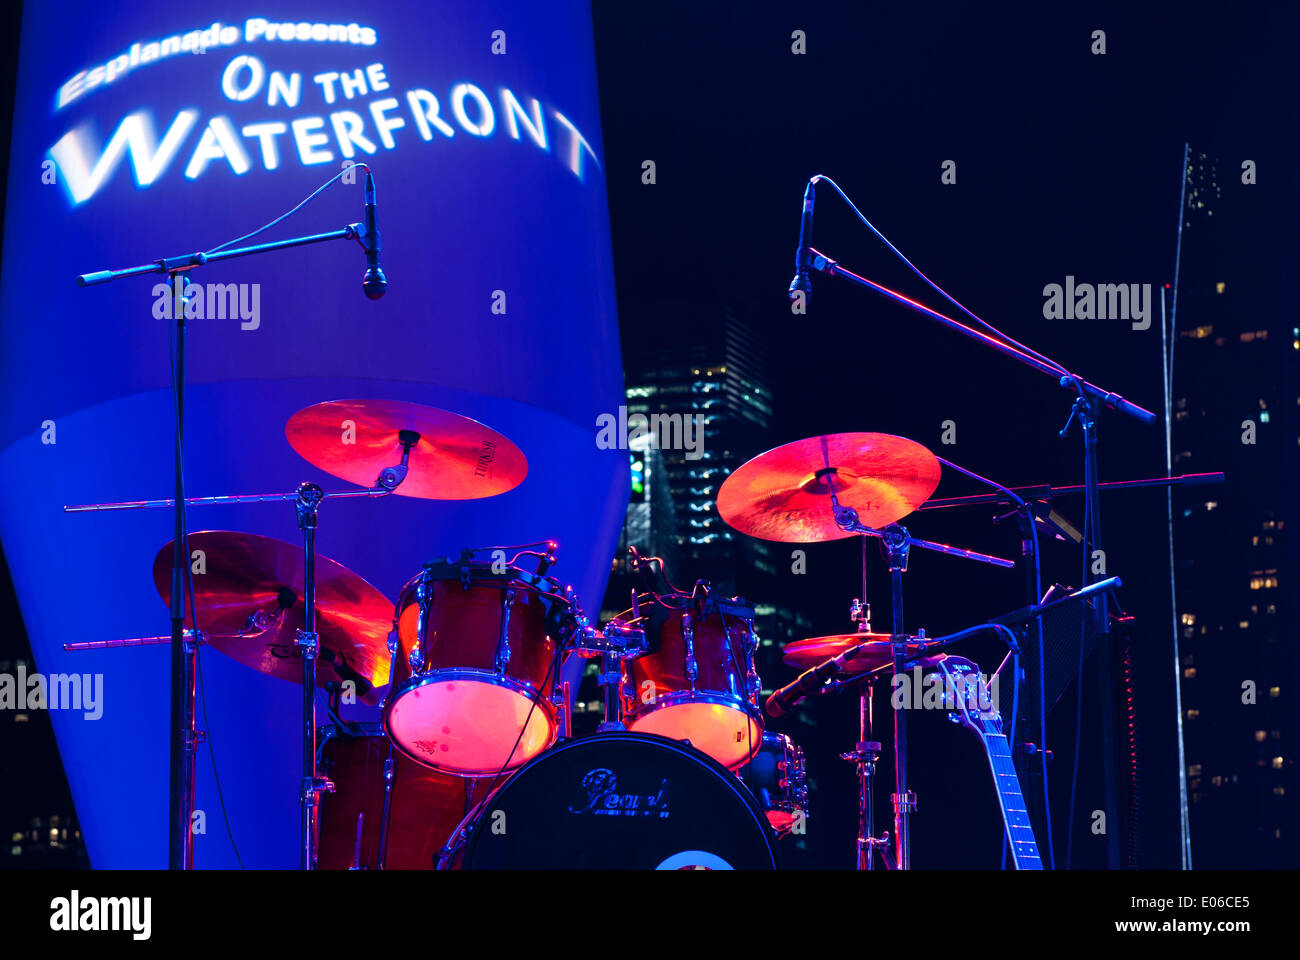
point(616, 801)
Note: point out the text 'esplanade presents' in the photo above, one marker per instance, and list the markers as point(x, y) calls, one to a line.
point(200, 41)
point(330, 122)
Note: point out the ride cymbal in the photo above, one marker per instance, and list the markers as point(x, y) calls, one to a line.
point(784, 494)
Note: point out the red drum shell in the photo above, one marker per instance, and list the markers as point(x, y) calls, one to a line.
point(457, 712)
point(425, 807)
point(718, 714)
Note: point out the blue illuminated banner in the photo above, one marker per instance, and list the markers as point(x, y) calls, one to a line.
point(153, 130)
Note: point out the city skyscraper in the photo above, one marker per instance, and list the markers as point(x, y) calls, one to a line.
point(718, 377)
point(1236, 401)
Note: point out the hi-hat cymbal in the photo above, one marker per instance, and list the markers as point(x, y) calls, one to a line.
point(245, 575)
point(454, 458)
point(784, 494)
point(877, 653)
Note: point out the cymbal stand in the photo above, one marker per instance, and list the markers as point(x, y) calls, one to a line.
point(865, 755)
point(306, 499)
point(897, 544)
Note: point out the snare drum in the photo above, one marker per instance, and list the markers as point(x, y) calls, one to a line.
point(471, 686)
point(779, 781)
point(697, 681)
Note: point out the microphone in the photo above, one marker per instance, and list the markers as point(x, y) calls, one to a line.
point(801, 283)
point(644, 569)
point(794, 691)
point(548, 558)
point(1057, 596)
point(374, 283)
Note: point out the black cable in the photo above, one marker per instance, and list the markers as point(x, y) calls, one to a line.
point(286, 216)
point(998, 334)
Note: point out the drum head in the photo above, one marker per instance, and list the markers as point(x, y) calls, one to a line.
point(718, 726)
point(469, 723)
point(621, 801)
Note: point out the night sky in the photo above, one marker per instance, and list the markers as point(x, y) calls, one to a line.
point(1067, 163)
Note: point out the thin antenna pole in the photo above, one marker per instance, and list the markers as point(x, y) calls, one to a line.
point(1167, 332)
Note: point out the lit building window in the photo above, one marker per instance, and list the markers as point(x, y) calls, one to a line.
point(1261, 736)
point(1277, 763)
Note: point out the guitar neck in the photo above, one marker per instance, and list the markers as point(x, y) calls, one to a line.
point(1024, 849)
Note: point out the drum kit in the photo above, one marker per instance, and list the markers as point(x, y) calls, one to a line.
point(473, 763)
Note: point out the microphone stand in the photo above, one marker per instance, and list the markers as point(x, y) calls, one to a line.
point(1035, 502)
point(1087, 408)
point(184, 739)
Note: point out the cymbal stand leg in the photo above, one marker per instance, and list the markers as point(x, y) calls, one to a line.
point(307, 505)
point(895, 541)
point(865, 755)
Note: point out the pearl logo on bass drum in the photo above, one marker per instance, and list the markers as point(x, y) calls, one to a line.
point(603, 799)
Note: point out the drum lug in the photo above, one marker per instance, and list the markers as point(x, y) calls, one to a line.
point(503, 645)
point(423, 596)
point(688, 635)
point(560, 700)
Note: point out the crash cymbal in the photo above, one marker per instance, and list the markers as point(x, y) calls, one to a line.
point(784, 494)
point(454, 458)
point(804, 654)
point(244, 575)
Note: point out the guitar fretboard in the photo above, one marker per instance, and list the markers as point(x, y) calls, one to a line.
point(1024, 849)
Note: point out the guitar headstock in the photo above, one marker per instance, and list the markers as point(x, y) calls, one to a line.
point(967, 696)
